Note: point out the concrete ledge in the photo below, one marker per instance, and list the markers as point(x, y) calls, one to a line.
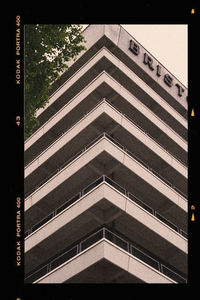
point(105, 191)
point(106, 145)
point(104, 77)
point(104, 52)
point(120, 41)
point(105, 107)
point(104, 249)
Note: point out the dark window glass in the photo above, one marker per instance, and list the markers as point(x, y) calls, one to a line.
point(173, 275)
point(63, 258)
point(91, 240)
point(142, 256)
point(166, 221)
point(39, 273)
point(116, 240)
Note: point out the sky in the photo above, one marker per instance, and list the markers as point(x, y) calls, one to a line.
point(167, 43)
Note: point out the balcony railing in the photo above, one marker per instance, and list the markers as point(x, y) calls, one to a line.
point(119, 145)
point(93, 185)
point(106, 234)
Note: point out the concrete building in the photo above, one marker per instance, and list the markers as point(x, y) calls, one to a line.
point(106, 171)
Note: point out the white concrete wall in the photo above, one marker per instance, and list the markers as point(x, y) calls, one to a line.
point(123, 44)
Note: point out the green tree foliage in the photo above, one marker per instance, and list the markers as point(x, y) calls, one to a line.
point(48, 48)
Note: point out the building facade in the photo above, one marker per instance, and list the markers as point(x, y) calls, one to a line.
point(106, 171)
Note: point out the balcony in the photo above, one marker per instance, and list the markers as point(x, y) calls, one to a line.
point(110, 158)
point(89, 188)
point(105, 117)
point(105, 202)
point(104, 86)
point(104, 60)
point(120, 49)
point(159, 272)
